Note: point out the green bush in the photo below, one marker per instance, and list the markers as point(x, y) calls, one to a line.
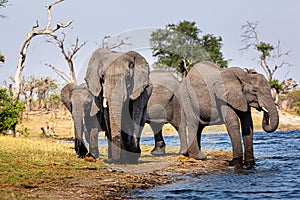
point(295, 97)
point(10, 110)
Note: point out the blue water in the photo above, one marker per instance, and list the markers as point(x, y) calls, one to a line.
point(276, 175)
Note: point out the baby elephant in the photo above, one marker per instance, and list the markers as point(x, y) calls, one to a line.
point(81, 103)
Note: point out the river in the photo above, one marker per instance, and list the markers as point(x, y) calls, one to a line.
point(276, 175)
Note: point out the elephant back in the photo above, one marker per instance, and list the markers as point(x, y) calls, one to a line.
point(160, 104)
point(165, 79)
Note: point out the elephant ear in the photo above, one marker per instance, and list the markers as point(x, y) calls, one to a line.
point(234, 94)
point(94, 107)
point(99, 62)
point(141, 74)
point(66, 93)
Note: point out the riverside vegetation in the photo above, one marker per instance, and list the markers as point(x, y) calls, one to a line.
point(39, 166)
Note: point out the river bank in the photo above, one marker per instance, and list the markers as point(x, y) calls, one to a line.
point(57, 173)
point(46, 169)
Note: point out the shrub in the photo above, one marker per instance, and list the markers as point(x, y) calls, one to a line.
point(10, 110)
point(292, 100)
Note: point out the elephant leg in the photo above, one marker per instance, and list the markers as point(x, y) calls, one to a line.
point(194, 136)
point(160, 146)
point(247, 133)
point(232, 123)
point(80, 148)
point(104, 122)
point(93, 145)
point(92, 127)
point(181, 130)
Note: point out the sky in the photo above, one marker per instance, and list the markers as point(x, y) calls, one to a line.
point(135, 20)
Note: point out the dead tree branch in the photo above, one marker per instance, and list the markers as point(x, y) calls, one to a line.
point(68, 52)
point(269, 55)
point(117, 44)
point(35, 32)
point(61, 74)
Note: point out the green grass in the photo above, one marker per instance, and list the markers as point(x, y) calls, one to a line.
point(29, 163)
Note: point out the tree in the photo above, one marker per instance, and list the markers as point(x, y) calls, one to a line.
point(213, 46)
point(270, 56)
point(179, 46)
point(3, 4)
point(35, 32)
point(10, 110)
point(68, 52)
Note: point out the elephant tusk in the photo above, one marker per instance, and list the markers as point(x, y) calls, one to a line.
point(264, 109)
point(104, 102)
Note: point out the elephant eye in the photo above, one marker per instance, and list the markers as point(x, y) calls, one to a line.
point(255, 90)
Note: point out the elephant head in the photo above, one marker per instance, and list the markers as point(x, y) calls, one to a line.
point(249, 88)
point(80, 102)
point(120, 79)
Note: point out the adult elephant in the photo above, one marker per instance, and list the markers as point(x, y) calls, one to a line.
point(121, 82)
point(85, 113)
point(164, 107)
point(212, 95)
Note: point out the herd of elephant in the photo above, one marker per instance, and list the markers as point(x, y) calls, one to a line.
point(121, 95)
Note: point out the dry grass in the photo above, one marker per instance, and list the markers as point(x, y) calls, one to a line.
point(43, 168)
point(27, 163)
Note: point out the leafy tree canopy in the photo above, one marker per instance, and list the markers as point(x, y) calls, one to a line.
point(274, 83)
point(178, 46)
point(10, 110)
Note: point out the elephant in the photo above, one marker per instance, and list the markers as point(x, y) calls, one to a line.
point(212, 95)
point(120, 82)
point(164, 107)
point(85, 113)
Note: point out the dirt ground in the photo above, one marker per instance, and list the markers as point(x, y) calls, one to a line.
point(118, 181)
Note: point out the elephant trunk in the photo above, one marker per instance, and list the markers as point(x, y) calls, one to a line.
point(270, 119)
point(115, 129)
point(78, 125)
point(78, 130)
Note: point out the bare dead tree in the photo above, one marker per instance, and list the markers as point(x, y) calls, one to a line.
point(27, 90)
point(117, 44)
point(270, 59)
point(3, 4)
point(61, 74)
point(35, 32)
point(68, 52)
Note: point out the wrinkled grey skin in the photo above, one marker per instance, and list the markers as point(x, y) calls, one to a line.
point(80, 102)
point(164, 107)
point(212, 95)
point(122, 80)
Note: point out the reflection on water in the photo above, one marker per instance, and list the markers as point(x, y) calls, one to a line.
point(276, 176)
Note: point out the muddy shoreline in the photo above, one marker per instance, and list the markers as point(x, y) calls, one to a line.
point(119, 181)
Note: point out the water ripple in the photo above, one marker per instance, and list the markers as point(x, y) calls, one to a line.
point(276, 176)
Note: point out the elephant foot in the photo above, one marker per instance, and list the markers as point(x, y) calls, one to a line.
point(249, 164)
point(82, 152)
point(80, 148)
point(184, 152)
point(198, 156)
point(112, 161)
point(159, 149)
point(93, 152)
point(92, 155)
point(129, 158)
point(237, 163)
